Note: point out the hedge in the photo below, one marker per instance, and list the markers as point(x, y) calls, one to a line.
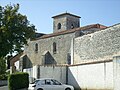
point(18, 81)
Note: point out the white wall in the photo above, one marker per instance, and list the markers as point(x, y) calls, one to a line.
point(29, 71)
point(116, 69)
point(88, 76)
point(17, 65)
point(91, 76)
point(56, 72)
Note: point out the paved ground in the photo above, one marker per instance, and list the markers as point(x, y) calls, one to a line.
point(4, 88)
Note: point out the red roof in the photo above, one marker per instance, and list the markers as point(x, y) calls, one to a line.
point(73, 30)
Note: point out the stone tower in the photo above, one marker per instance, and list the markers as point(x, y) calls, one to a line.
point(65, 21)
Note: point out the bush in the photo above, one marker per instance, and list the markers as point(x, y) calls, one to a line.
point(18, 81)
point(3, 77)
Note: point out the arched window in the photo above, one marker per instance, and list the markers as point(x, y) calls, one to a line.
point(36, 48)
point(59, 26)
point(54, 48)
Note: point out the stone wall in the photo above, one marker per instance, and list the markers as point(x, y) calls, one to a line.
point(101, 45)
point(62, 21)
point(72, 21)
point(66, 21)
point(61, 56)
point(45, 48)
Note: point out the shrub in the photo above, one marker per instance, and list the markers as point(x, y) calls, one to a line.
point(18, 81)
point(3, 77)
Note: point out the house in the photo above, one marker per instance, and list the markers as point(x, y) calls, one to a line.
point(14, 62)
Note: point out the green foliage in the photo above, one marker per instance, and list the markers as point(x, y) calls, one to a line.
point(15, 30)
point(3, 77)
point(2, 65)
point(18, 81)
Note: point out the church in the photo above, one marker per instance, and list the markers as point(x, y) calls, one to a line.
point(86, 57)
point(55, 48)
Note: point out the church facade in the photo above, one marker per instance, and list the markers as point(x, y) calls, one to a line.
point(55, 48)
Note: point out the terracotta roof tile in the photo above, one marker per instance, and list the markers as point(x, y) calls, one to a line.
point(72, 30)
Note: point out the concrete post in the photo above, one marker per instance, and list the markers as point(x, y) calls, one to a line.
point(116, 72)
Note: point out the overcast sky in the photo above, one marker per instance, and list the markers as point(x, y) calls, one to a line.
point(39, 12)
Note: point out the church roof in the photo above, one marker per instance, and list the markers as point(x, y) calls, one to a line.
point(66, 14)
point(99, 26)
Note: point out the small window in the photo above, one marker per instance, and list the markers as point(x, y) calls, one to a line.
point(59, 25)
point(36, 48)
point(72, 26)
point(54, 48)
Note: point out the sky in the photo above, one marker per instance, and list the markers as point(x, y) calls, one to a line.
point(39, 12)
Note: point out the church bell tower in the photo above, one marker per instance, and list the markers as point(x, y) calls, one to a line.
point(65, 21)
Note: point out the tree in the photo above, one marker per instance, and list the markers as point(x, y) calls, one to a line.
point(15, 30)
point(2, 65)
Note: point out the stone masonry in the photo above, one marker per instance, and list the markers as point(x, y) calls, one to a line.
point(101, 45)
point(55, 48)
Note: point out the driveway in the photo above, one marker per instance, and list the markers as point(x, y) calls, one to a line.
point(4, 88)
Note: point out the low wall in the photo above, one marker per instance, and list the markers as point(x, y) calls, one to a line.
point(3, 82)
point(116, 69)
point(104, 75)
point(30, 72)
point(56, 72)
point(91, 76)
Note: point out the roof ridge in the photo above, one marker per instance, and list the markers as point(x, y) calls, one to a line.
point(66, 13)
point(72, 30)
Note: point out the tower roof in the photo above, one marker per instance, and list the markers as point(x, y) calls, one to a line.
point(66, 14)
